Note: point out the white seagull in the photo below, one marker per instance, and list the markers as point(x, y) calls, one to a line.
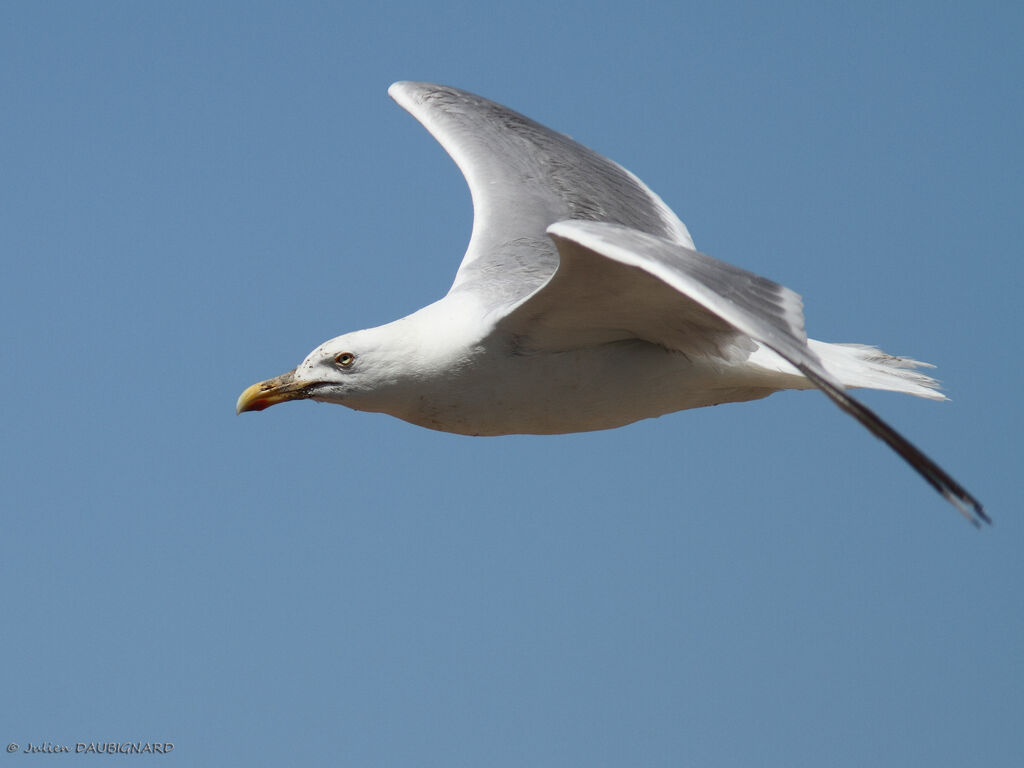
point(582, 304)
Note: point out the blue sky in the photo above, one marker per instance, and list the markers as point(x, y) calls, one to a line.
point(195, 195)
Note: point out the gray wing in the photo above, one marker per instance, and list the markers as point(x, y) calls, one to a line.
point(524, 177)
point(614, 283)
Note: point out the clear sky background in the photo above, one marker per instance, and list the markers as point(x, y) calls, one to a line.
point(194, 195)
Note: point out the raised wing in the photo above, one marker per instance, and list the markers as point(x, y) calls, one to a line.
point(614, 283)
point(524, 177)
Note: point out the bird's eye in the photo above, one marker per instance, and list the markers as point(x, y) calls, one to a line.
point(345, 359)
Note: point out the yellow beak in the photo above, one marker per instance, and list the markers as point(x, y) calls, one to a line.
point(271, 392)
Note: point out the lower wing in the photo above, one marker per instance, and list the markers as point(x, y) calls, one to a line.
point(615, 282)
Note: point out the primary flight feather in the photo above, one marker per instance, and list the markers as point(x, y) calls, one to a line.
point(582, 304)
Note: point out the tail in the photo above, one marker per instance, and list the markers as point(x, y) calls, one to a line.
point(858, 365)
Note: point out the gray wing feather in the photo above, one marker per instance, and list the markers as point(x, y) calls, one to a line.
point(523, 177)
point(632, 283)
point(616, 283)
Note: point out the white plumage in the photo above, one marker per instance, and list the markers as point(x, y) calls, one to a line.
point(582, 304)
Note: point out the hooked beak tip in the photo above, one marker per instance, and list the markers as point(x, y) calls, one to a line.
point(271, 392)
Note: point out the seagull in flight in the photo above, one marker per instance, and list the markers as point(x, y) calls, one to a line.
point(583, 304)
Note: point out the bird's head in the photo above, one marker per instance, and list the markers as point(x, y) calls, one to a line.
point(343, 370)
point(387, 369)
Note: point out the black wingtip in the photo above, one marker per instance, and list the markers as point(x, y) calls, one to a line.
point(968, 506)
point(935, 475)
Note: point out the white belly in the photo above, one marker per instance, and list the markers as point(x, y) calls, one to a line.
point(578, 391)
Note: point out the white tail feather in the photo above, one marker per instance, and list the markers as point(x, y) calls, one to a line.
point(858, 365)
